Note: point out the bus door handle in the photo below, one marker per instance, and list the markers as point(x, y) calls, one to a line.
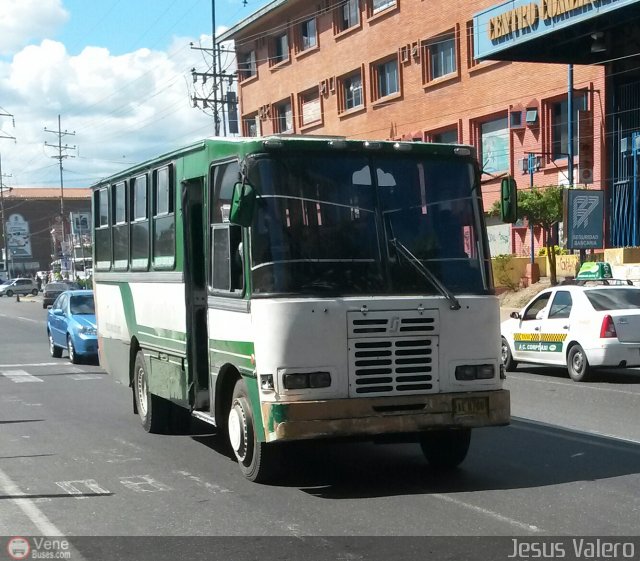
point(537, 328)
point(565, 327)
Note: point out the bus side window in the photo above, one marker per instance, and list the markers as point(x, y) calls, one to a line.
point(227, 256)
point(102, 229)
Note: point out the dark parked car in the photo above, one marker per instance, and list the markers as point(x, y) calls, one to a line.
point(54, 289)
point(71, 325)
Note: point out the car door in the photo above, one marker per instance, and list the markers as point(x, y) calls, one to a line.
point(22, 286)
point(526, 338)
point(58, 323)
point(555, 328)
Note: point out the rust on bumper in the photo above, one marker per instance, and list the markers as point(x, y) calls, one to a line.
point(376, 416)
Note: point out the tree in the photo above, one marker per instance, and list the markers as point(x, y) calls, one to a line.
point(541, 206)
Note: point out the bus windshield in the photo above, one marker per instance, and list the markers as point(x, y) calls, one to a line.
point(334, 223)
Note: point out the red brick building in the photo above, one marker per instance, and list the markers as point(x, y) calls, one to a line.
point(34, 226)
point(405, 69)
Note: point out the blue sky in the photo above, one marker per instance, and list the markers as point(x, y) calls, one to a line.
point(118, 72)
point(125, 25)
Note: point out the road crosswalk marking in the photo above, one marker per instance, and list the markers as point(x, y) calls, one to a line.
point(20, 376)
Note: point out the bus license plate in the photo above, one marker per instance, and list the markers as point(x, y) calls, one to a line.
point(471, 406)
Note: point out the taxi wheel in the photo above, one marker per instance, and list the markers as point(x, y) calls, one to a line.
point(578, 365)
point(506, 357)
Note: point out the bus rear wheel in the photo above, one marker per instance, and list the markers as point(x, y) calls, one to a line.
point(151, 408)
point(257, 460)
point(447, 448)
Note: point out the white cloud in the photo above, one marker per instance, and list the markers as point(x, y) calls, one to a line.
point(22, 21)
point(123, 109)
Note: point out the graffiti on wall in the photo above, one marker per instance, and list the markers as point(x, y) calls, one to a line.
point(499, 239)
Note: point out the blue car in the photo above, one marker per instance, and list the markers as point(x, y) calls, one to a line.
point(71, 325)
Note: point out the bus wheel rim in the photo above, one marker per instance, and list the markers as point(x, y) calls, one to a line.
point(238, 430)
point(142, 392)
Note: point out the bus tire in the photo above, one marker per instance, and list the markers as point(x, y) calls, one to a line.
point(256, 459)
point(152, 409)
point(447, 448)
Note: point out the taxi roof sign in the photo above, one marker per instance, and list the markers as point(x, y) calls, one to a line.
point(596, 270)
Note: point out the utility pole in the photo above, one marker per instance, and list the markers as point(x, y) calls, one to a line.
point(216, 100)
point(61, 156)
point(5, 246)
point(4, 228)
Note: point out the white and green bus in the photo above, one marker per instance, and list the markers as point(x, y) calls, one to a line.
point(289, 288)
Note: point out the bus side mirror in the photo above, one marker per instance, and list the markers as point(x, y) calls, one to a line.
point(508, 200)
point(243, 204)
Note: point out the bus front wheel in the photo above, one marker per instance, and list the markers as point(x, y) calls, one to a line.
point(151, 408)
point(447, 448)
point(256, 459)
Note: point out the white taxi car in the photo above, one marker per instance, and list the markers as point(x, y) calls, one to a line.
point(578, 326)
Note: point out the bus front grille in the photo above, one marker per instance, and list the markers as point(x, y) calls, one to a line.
point(393, 366)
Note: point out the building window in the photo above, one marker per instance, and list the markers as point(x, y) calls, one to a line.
point(440, 56)
point(251, 125)
point(560, 124)
point(308, 35)
point(386, 78)
point(247, 65)
point(494, 144)
point(448, 136)
point(378, 6)
point(280, 49)
point(348, 15)
point(310, 108)
point(284, 117)
point(351, 92)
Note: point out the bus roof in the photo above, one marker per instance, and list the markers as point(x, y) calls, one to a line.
point(229, 145)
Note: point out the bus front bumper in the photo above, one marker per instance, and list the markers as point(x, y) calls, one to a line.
point(384, 415)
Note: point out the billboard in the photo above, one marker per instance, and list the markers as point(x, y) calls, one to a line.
point(584, 218)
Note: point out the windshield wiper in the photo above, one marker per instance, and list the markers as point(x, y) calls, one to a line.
point(426, 273)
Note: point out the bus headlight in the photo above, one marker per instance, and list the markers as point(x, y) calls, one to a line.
point(468, 372)
point(304, 380)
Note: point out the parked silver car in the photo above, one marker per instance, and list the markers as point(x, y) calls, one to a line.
point(19, 286)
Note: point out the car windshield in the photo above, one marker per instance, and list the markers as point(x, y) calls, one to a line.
point(82, 305)
point(55, 286)
point(334, 223)
point(614, 298)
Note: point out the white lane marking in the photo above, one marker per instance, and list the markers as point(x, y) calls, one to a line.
point(82, 487)
point(29, 364)
point(143, 484)
point(29, 319)
point(114, 456)
point(573, 385)
point(491, 513)
point(582, 436)
point(19, 376)
point(84, 377)
point(211, 487)
point(26, 505)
